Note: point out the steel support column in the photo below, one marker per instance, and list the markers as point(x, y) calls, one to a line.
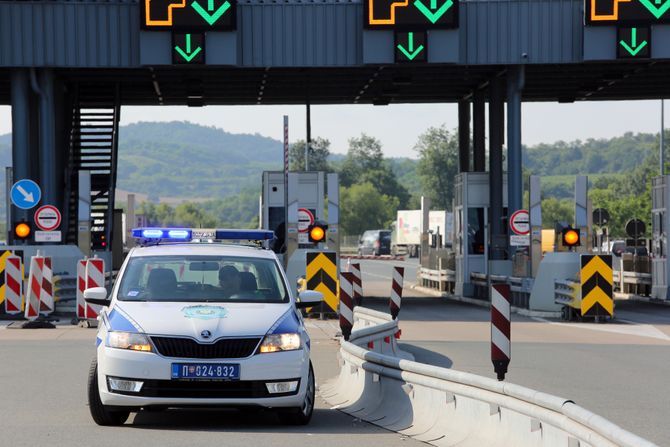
point(498, 241)
point(21, 151)
point(515, 84)
point(464, 135)
point(479, 131)
point(44, 87)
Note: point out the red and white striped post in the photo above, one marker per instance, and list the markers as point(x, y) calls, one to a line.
point(13, 285)
point(500, 329)
point(396, 291)
point(95, 277)
point(358, 283)
point(47, 294)
point(34, 288)
point(81, 286)
point(346, 303)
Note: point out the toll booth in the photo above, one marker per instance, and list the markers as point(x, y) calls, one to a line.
point(471, 229)
point(310, 195)
point(660, 222)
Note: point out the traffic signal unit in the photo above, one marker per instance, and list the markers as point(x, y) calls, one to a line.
point(317, 232)
point(570, 237)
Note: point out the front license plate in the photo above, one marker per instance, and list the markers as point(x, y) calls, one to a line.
point(211, 371)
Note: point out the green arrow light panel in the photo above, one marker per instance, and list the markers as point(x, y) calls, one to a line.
point(411, 46)
point(411, 14)
point(188, 48)
point(189, 15)
point(633, 42)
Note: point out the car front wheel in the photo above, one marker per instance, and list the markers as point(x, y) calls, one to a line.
point(302, 415)
point(102, 414)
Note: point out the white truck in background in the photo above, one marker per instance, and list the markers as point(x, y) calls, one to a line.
point(406, 237)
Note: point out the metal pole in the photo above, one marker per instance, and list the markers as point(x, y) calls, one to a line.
point(285, 189)
point(662, 145)
point(8, 203)
point(309, 135)
point(515, 83)
point(464, 135)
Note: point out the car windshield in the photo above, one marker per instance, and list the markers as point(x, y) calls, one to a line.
point(202, 278)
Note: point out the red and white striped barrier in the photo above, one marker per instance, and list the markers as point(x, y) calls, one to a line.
point(13, 285)
point(346, 303)
point(396, 291)
point(47, 293)
point(500, 328)
point(358, 283)
point(81, 286)
point(34, 288)
point(95, 277)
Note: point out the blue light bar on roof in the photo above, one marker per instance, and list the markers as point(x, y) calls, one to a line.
point(186, 234)
point(177, 234)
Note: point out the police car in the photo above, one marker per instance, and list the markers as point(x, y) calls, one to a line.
point(200, 324)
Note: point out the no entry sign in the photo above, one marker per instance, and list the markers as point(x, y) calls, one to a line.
point(47, 218)
point(519, 223)
point(305, 219)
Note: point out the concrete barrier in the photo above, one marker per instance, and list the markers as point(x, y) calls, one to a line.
point(446, 407)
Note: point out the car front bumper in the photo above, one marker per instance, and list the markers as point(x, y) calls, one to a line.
point(160, 390)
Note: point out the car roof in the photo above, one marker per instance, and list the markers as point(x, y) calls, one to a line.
point(203, 249)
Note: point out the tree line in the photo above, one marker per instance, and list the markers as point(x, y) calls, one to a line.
point(374, 187)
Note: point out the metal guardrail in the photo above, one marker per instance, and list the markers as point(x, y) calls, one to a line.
point(566, 291)
point(443, 280)
point(433, 404)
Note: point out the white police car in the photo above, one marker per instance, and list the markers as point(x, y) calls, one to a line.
point(200, 324)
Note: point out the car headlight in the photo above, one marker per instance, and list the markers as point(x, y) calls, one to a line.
point(129, 340)
point(280, 342)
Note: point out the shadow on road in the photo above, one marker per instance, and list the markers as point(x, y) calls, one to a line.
point(432, 309)
point(422, 355)
point(324, 421)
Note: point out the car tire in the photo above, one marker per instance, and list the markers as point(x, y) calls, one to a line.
point(102, 414)
point(303, 414)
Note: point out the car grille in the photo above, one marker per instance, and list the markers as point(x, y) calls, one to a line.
point(225, 348)
point(206, 389)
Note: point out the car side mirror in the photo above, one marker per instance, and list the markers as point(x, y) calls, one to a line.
point(309, 298)
point(96, 295)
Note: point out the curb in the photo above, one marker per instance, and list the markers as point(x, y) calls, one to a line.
point(486, 304)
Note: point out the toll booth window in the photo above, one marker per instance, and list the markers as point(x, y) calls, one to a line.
point(476, 231)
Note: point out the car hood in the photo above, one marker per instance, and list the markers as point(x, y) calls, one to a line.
point(192, 319)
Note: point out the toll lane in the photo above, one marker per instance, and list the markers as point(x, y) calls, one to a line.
point(43, 377)
point(618, 370)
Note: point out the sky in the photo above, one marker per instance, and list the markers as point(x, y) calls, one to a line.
point(399, 126)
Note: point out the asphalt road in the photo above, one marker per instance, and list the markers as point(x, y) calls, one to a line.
point(619, 370)
point(43, 402)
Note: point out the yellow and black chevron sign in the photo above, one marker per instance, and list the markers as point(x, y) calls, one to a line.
point(597, 291)
point(322, 276)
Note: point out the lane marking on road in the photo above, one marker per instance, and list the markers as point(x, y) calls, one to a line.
point(630, 328)
point(407, 283)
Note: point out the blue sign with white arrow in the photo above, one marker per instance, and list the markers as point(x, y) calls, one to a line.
point(25, 194)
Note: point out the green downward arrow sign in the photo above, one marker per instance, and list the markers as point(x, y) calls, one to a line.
point(213, 15)
point(435, 16)
point(657, 11)
point(187, 55)
point(633, 48)
point(410, 52)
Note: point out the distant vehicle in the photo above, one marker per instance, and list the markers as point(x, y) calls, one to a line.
point(407, 233)
point(375, 242)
